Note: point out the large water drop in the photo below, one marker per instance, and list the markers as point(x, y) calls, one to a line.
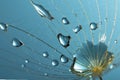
point(64, 40)
point(16, 42)
point(42, 11)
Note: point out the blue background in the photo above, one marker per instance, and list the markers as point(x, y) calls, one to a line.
point(21, 14)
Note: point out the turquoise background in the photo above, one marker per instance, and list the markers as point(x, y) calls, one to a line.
point(21, 14)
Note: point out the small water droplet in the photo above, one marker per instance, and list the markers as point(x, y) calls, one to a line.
point(26, 61)
point(93, 26)
point(16, 42)
point(111, 66)
point(115, 41)
point(106, 19)
point(22, 65)
point(3, 26)
point(42, 11)
point(45, 74)
point(63, 40)
point(91, 78)
point(45, 54)
point(65, 21)
point(63, 59)
point(77, 29)
point(55, 63)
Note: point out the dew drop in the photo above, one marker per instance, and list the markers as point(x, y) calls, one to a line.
point(55, 63)
point(93, 26)
point(45, 54)
point(77, 29)
point(26, 61)
point(16, 42)
point(3, 26)
point(111, 66)
point(106, 19)
point(91, 78)
point(22, 65)
point(115, 41)
point(63, 59)
point(63, 40)
point(42, 11)
point(65, 21)
point(45, 74)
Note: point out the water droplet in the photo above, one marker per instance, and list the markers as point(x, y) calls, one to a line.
point(42, 11)
point(106, 19)
point(26, 61)
point(93, 26)
point(63, 59)
point(115, 41)
point(64, 40)
point(65, 21)
point(111, 66)
point(45, 74)
point(55, 63)
point(91, 78)
point(45, 54)
point(16, 42)
point(22, 65)
point(77, 29)
point(3, 26)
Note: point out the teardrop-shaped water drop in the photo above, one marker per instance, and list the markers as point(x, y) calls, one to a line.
point(93, 26)
point(63, 59)
point(65, 21)
point(77, 29)
point(16, 42)
point(55, 63)
point(42, 11)
point(3, 26)
point(63, 40)
point(45, 54)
